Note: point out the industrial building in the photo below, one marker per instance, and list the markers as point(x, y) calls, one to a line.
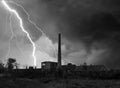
point(49, 65)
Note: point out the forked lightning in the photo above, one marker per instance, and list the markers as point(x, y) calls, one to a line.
point(22, 27)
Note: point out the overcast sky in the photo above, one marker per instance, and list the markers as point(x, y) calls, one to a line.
point(90, 31)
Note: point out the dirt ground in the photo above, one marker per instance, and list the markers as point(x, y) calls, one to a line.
point(61, 83)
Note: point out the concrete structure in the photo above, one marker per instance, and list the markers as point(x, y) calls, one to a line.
point(59, 50)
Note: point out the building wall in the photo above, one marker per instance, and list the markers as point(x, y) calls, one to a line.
point(49, 65)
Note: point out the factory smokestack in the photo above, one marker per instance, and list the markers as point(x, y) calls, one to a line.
point(59, 50)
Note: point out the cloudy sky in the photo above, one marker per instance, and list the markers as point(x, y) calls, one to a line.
point(90, 31)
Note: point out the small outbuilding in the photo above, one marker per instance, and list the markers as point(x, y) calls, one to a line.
point(48, 65)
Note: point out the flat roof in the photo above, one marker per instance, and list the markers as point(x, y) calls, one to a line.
point(49, 62)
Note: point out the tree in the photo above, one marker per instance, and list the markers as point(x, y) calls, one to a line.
point(11, 63)
point(2, 68)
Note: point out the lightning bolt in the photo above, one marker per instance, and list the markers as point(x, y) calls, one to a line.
point(43, 34)
point(9, 39)
point(22, 27)
point(12, 37)
point(9, 42)
point(29, 18)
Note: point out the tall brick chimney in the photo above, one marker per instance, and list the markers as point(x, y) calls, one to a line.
point(59, 50)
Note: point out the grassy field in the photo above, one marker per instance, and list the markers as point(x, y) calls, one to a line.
point(61, 83)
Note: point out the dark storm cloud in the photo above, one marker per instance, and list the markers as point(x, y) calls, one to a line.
point(90, 21)
point(94, 23)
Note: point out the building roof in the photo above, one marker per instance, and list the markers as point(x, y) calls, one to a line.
point(49, 62)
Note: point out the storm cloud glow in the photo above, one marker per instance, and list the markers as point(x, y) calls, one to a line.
point(90, 31)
